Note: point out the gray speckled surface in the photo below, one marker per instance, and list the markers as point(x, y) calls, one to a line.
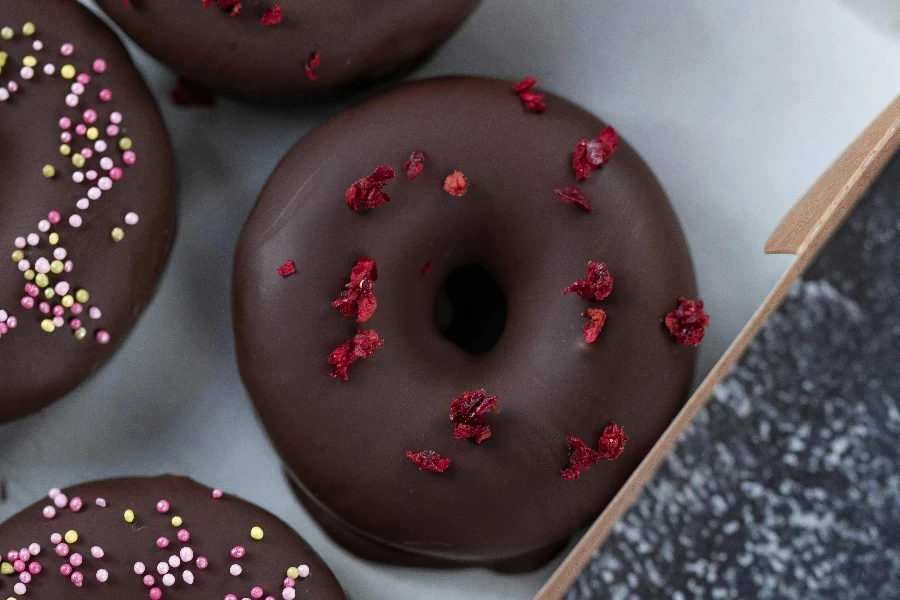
point(788, 483)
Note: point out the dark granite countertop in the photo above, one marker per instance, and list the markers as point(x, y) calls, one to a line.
point(787, 485)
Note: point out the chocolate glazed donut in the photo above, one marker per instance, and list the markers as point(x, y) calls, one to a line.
point(288, 49)
point(87, 199)
point(489, 314)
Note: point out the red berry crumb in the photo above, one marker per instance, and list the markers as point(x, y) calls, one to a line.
point(272, 16)
point(363, 344)
point(533, 101)
point(311, 65)
point(358, 299)
point(581, 458)
point(612, 443)
point(456, 184)
point(597, 285)
point(468, 412)
point(427, 268)
point(287, 268)
point(591, 154)
point(188, 93)
point(429, 460)
point(234, 5)
point(688, 322)
point(415, 164)
point(593, 327)
point(573, 195)
point(366, 193)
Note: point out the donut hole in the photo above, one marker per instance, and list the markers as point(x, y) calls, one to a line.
point(470, 310)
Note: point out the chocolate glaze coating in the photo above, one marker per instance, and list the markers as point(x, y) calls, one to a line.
point(37, 368)
point(359, 41)
point(502, 503)
point(215, 527)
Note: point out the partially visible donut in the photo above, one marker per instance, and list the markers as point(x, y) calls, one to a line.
point(87, 199)
point(458, 283)
point(157, 537)
point(288, 49)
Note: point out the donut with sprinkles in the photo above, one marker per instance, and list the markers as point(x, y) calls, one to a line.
point(86, 200)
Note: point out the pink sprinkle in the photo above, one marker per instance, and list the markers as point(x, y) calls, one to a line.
point(94, 193)
point(55, 538)
point(65, 123)
point(162, 506)
point(105, 95)
point(155, 593)
point(91, 175)
point(65, 137)
point(256, 592)
point(202, 562)
point(99, 65)
point(174, 562)
point(83, 78)
point(75, 323)
point(60, 254)
point(68, 266)
point(187, 555)
point(34, 548)
point(87, 153)
point(54, 217)
point(270, 597)
point(288, 593)
point(99, 501)
point(77, 578)
point(81, 129)
point(288, 582)
point(106, 163)
point(12, 86)
point(129, 157)
point(94, 313)
point(76, 559)
point(27, 303)
point(58, 321)
point(20, 588)
point(90, 116)
point(65, 569)
point(131, 218)
point(160, 542)
point(4, 329)
point(67, 49)
point(12, 322)
point(149, 580)
point(72, 100)
point(115, 173)
point(34, 567)
point(235, 569)
point(100, 146)
point(75, 504)
point(25, 577)
point(112, 130)
point(33, 239)
point(62, 549)
point(44, 307)
point(304, 571)
point(183, 535)
point(77, 88)
point(19, 565)
point(115, 117)
point(188, 577)
point(238, 552)
point(230, 597)
point(102, 575)
point(33, 290)
point(168, 580)
point(59, 310)
point(20, 242)
point(83, 204)
point(96, 551)
point(75, 221)
point(49, 511)
point(60, 500)
point(76, 310)
point(105, 184)
point(77, 176)
point(139, 568)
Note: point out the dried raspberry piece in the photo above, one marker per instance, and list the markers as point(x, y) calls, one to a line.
point(581, 458)
point(311, 65)
point(358, 299)
point(468, 412)
point(593, 327)
point(573, 195)
point(234, 5)
point(525, 85)
point(612, 443)
point(363, 344)
point(591, 154)
point(429, 460)
point(456, 184)
point(688, 322)
point(188, 93)
point(415, 164)
point(533, 101)
point(272, 16)
point(207, 3)
point(427, 268)
point(597, 285)
point(287, 268)
point(366, 193)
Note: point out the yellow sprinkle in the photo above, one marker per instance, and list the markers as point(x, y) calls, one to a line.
point(65, 150)
point(177, 521)
point(92, 134)
point(29, 275)
point(77, 160)
point(57, 267)
point(7, 569)
point(49, 293)
point(67, 72)
point(3, 57)
point(71, 536)
point(41, 280)
point(48, 171)
point(29, 61)
point(118, 234)
point(82, 296)
point(28, 28)
point(125, 143)
point(53, 238)
point(256, 533)
point(67, 301)
point(129, 516)
point(293, 572)
point(17, 256)
point(48, 326)
point(7, 33)
point(80, 333)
